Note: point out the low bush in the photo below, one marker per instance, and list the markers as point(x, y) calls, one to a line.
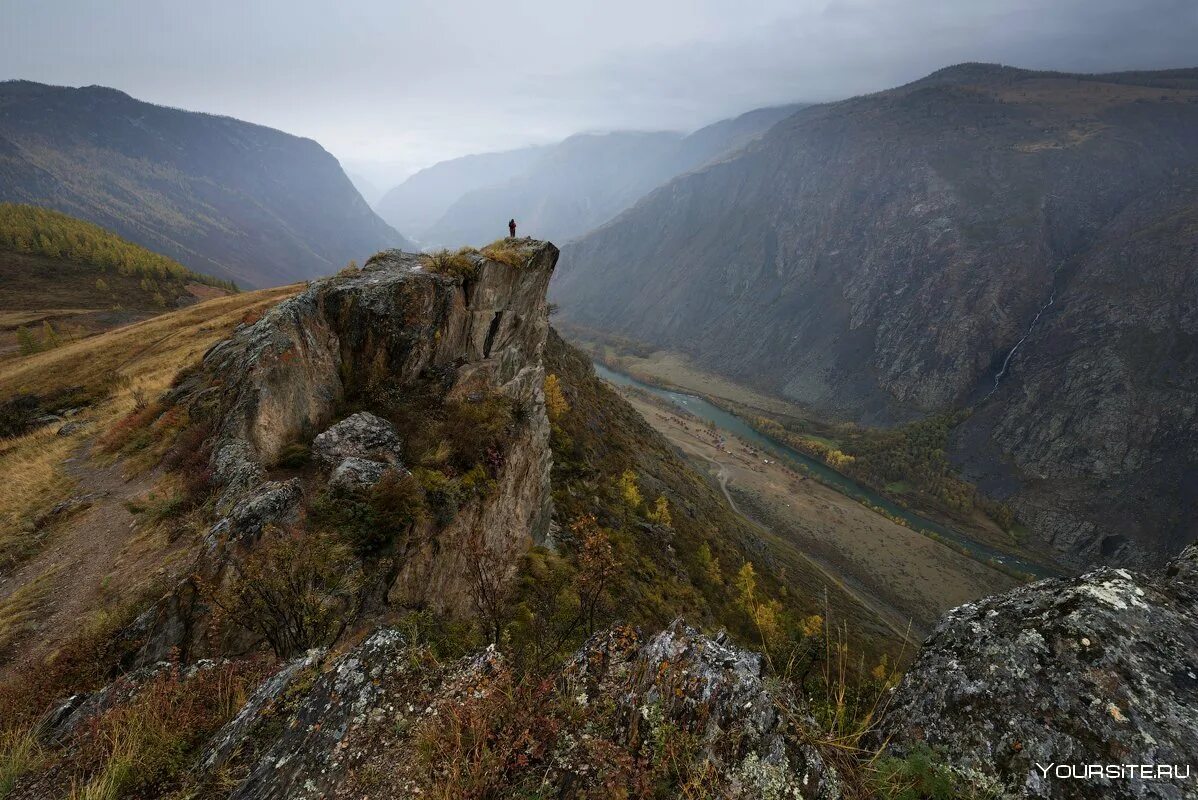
point(296, 590)
point(458, 264)
point(506, 252)
point(376, 519)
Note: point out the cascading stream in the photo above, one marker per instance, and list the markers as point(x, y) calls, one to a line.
point(998, 376)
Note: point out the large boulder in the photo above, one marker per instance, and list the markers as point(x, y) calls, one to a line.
point(1029, 689)
point(361, 436)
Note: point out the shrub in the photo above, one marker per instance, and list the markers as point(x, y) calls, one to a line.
point(457, 265)
point(296, 590)
point(294, 456)
point(397, 503)
point(442, 493)
point(376, 519)
point(477, 428)
point(505, 252)
point(555, 402)
point(144, 745)
point(917, 776)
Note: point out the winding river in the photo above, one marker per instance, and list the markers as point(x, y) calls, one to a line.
point(734, 425)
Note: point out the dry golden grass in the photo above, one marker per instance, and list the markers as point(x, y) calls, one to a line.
point(34, 480)
point(507, 251)
point(20, 607)
point(139, 360)
point(148, 353)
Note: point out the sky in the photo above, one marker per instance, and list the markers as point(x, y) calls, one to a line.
point(389, 86)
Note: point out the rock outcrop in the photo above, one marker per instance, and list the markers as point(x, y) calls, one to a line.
point(377, 335)
point(350, 726)
point(1049, 679)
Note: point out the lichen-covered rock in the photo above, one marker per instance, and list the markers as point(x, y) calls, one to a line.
point(310, 754)
point(271, 502)
point(690, 684)
point(1096, 670)
point(356, 473)
point(362, 436)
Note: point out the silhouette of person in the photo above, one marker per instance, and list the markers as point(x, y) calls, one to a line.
point(511, 226)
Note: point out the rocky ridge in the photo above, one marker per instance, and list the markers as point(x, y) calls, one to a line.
point(388, 328)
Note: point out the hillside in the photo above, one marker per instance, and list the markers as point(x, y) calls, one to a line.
point(564, 190)
point(383, 535)
point(220, 196)
point(63, 278)
point(880, 258)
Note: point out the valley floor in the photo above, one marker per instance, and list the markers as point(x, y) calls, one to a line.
point(906, 578)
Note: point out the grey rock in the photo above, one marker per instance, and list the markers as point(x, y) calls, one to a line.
point(307, 758)
point(272, 502)
point(232, 736)
point(362, 436)
point(709, 688)
point(71, 427)
point(357, 473)
point(1100, 669)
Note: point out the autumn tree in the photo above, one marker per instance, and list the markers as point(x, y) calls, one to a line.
point(630, 493)
point(597, 566)
point(555, 402)
point(660, 513)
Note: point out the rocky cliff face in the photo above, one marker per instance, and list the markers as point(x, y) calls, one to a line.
point(1101, 669)
point(378, 337)
point(883, 257)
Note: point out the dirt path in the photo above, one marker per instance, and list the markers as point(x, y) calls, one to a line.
point(87, 552)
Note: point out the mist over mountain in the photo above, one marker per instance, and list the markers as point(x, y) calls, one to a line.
point(220, 196)
point(417, 203)
point(559, 191)
point(884, 257)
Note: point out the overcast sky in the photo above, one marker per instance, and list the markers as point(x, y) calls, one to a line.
point(406, 83)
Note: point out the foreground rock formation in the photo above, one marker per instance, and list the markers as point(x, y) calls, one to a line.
point(1096, 670)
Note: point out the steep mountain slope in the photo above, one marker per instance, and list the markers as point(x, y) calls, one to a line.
point(582, 182)
point(64, 278)
point(220, 196)
point(881, 257)
point(416, 204)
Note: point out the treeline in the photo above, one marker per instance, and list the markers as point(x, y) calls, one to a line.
point(41, 231)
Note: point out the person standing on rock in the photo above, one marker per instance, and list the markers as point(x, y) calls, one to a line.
point(511, 227)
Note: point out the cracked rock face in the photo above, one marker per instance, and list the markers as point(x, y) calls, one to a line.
point(350, 726)
point(1100, 669)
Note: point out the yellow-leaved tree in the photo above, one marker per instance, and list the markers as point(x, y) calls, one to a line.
point(629, 491)
point(660, 513)
point(555, 401)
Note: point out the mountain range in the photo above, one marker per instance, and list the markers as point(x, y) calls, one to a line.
point(558, 191)
point(1022, 243)
point(220, 196)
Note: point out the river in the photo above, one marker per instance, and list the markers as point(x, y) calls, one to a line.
point(734, 425)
